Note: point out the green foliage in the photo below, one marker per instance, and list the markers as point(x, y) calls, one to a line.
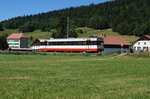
point(1, 27)
point(73, 33)
point(141, 30)
point(28, 27)
point(125, 28)
point(123, 16)
point(31, 37)
point(98, 22)
point(3, 42)
point(80, 31)
point(61, 28)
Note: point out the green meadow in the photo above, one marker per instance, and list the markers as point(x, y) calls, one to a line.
point(74, 77)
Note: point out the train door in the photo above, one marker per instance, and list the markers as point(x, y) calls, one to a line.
point(88, 45)
point(100, 44)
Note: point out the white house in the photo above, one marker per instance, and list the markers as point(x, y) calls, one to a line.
point(142, 44)
point(17, 40)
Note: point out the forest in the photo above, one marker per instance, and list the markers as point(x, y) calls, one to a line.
point(127, 17)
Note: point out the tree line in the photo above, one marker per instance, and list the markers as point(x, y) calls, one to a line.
point(127, 17)
point(3, 42)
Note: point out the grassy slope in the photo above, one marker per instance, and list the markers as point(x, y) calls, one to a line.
point(35, 34)
point(71, 77)
point(89, 32)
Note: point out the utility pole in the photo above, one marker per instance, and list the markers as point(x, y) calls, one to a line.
point(68, 27)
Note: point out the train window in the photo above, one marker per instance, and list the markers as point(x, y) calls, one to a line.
point(43, 43)
point(69, 43)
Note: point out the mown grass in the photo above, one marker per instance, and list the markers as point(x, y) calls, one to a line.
point(76, 76)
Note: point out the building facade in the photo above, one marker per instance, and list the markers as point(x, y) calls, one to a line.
point(142, 44)
point(17, 40)
point(36, 44)
point(115, 44)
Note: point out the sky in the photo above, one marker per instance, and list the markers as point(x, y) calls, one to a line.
point(14, 8)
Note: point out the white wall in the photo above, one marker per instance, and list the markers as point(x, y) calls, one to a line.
point(116, 50)
point(13, 43)
point(35, 47)
point(140, 45)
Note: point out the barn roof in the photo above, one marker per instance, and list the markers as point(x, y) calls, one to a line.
point(16, 36)
point(114, 40)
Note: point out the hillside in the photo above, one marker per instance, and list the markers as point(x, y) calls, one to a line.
point(126, 17)
point(87, 32)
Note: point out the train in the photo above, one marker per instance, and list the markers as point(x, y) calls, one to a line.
point(72, 45)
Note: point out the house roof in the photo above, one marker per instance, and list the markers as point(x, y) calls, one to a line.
point(36, 41)
point(145, 37)
point(114, 40)
point(148, 36)
point(16, 36)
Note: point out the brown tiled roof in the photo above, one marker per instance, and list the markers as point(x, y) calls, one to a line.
point(148, 36)
point(40, 39)
point(16, 36)
point(114, 40)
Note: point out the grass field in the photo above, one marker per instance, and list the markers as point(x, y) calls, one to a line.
point(74, 77)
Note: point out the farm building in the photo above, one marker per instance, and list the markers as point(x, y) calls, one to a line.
point(142, 44)
point(35, 45)
point(115, 44)
point(17, 40)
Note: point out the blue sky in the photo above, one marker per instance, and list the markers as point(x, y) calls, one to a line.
point(13, 8)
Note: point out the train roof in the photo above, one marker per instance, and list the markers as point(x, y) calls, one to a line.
point(68, 39)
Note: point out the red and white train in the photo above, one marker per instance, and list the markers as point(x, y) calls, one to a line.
point(72, 44)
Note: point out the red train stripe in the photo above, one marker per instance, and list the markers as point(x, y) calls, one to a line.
point(63, 49)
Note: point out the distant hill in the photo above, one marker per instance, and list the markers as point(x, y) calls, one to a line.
point(87, 32)
point(127, 17)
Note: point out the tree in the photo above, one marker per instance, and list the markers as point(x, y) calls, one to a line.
point(28, 27)
point(98, 22)
point(61, 28)
point(31, 37)
point(80, 31)
point(1, 27)
point(3, 42)
point(125, 28)
point(73, 33)
point(141, 29)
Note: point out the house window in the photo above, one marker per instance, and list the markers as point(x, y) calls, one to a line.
point(139, 48)
point(10, 43)
point(134, 47)
point(16, 43)
point(16, 40)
